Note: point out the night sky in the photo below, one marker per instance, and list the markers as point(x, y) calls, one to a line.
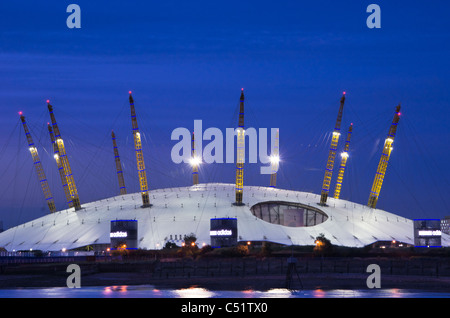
point(188, 60)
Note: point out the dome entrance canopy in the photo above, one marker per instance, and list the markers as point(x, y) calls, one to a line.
point(290, 214)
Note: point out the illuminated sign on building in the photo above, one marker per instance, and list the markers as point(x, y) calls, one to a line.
point(427, 232)
point(223, 232)
point(118, 234)
point(430, 233)
point(123, 234)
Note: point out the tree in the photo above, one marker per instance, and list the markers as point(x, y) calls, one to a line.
point(190, 239)
point(189, 247)
point(322, 244)
point(170, 245)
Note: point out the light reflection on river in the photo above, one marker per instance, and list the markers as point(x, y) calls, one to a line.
point(149, 291)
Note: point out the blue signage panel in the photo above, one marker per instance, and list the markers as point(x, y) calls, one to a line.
point(123, 234)
point(427, 232)
point(223, 232)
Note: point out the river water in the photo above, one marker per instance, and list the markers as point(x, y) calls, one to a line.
point(148, 291)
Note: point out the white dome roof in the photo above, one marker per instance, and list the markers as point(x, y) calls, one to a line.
point(185, 210)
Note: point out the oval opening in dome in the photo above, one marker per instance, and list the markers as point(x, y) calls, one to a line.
point(288, 213)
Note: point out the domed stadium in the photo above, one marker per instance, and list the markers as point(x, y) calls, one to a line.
point(268, 215)
point(217, 214)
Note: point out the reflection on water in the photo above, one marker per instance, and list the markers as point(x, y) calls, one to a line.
point(149, 291)
point(192, 292)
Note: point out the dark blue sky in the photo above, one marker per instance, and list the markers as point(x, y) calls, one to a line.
point(188, 60)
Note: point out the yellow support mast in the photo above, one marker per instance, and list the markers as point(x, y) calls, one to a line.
point(139, 156)
point(122, 188)
point(38, 166)
point(332, 154)
point(382, 165)
point(275, 161)
point(64, 160)
point(60, 167)
point(344, 157)
point(195, 161)
point(240, 156)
